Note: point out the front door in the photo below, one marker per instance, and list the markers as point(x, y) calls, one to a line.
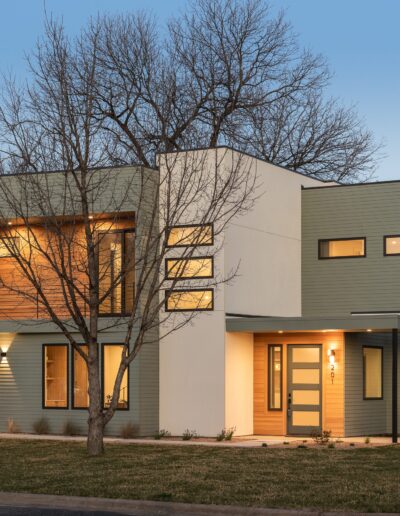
point(304, 389)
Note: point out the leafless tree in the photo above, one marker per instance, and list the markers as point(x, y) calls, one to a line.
point(226, 72)
point(53, 225)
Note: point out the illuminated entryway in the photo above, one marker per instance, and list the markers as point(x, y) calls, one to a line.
point(304, 381)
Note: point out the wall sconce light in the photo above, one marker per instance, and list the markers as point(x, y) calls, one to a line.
point(3, 355)
point(331, 355)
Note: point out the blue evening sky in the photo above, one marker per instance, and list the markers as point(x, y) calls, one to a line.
point(360, 39)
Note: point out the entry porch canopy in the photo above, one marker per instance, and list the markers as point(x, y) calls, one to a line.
point(378, 322)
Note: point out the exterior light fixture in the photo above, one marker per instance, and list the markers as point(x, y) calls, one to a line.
point(280, 331)
point(9, 223)
point(3, 354)
point(90, 217)
point(332, 361)
point(369, 330)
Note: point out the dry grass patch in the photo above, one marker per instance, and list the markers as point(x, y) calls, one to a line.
point(365, 479)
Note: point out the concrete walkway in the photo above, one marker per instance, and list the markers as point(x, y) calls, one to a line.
point(21, 503)
point(251, 441)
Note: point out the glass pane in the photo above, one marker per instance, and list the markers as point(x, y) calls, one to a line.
point(275, 377)
point(129, 277)
point(339, 248)
point(190, 268)
point(305, 376)
point(392, 245)
point(110, 267)
point(300, 354)
point(112, 360)
point(190, 235)
point(190, 300)
point(305, 397)
point(306, 418)
point(372, 372)
point(55, 376)
point(9, 246)
point(81, 380)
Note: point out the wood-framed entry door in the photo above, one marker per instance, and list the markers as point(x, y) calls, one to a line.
point(304, 389)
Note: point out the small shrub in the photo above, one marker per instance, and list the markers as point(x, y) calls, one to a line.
point(264, 445)
point(129, 431)
point(367, 440)
point(304, 440)
point(229, 433)
point(70, 428)
point(226, 434)
point(331, 445)
point(41, 426)
point(161, 434)
point(221, 435)
point(12, 427)
point(321, 437)
point(286, 442)
point(338, 441)
point(351, 444)
point(188, 434)
point(302, 446)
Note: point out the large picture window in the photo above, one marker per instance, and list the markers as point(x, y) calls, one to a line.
point(80, 380)
point(189, 300)
point(116, 271)
point(274, 377)
point(55, 376)
point(111, 361)
point(184, 236)
point(342, 248)
point(189, 268)
point(373, 372)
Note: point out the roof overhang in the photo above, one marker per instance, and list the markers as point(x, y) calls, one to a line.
point(360, 323)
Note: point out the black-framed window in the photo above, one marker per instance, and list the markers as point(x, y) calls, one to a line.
point(186, 235)
point(80, 380)
point(189, 300)
point(274, 377)
point(55, 373)
point(332, 248)
point(111, 359)
point(372, 372)
point(116, 265)
point(391, 245)
point(197, 267)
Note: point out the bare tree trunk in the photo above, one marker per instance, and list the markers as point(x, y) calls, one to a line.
point(95, 445)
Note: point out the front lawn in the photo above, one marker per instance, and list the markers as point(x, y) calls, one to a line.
point(366, 479)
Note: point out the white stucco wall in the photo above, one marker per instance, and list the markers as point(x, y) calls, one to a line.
point(267, 243)
point(239, 382)
point(206, 376)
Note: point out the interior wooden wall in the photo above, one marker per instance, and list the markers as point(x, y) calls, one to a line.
point(274, 422)
point(13, 305)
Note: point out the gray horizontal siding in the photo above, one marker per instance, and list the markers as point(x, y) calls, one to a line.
point(21, 387)
point(341, 286)
point(367, 417)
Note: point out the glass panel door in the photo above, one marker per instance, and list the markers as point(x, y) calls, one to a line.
point(304, 378)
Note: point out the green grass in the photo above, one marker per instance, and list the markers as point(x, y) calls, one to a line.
point(356, 479)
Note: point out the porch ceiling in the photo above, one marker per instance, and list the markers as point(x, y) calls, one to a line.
point(381, 322)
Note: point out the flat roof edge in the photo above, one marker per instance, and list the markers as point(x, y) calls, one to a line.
point(303, 324)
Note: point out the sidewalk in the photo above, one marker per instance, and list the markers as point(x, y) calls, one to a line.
point(69, 504)
point(251, 441)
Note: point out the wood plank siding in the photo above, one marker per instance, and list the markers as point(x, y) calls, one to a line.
point(274, 422)
point(13, 304)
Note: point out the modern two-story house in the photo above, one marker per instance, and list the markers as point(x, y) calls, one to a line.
point(304, 339)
